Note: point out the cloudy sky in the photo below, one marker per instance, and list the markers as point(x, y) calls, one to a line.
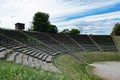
point(90, 16)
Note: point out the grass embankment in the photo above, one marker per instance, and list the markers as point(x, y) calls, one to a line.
point(11, 71)
point(116, 40)
point(72, 68)
point(77, 68)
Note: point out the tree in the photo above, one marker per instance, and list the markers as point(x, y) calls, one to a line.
point(75, 32)
point(116, 30)
point(41, 23)
point(53, 29)
point(65, 31)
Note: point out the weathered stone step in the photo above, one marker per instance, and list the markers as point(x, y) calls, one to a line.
point(30, 52)
point(4, 53)
point(24, 48)
point(7, 51)
point(55, 54)
point(25, 51)
point(41, 56)
point(2, 49)
point(42, 64)
point(37, 54)
point(36, 63)
point(18, 58)
point(30, 61)
point(49, 59)
point(44, 57)
point(34, 53)
point(25, 59)
point(33, 62)
point(12, 57)
point(19, 47)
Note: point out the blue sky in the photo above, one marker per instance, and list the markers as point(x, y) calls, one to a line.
point(90, 16)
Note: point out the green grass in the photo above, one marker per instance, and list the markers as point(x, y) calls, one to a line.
point(73, 68)
point(11, 71)
point(78, 68)
point(116, 40)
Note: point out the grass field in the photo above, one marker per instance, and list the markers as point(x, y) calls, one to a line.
point(73, 66)
point(11, 71)
point(77, 66)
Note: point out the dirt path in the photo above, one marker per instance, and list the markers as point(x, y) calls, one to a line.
point(107, 70)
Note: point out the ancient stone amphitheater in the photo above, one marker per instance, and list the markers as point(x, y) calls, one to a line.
point(36, 49)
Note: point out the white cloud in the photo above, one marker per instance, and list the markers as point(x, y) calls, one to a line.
point(107, 16)
point(96, 24)
point(12, 11)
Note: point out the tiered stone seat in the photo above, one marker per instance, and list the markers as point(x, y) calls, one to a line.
point(14, 45)
point(17, 35)
point(12, 57)
point(66, 41)
point(19, 57)
point(2, 50)
point(36, 63)
point(7, 45)
point(45, 38)
point(8, 42)
point(105, 42)
point(85, 41)
point(27, 60)
point(35, 53)
point(45, 49)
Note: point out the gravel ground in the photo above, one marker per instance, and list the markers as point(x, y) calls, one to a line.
point(107, 70)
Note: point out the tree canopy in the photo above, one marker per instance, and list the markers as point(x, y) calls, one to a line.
point(73, 31)
point(116, 30)
point(53, 29)
point(41, 23)
point(65, 31)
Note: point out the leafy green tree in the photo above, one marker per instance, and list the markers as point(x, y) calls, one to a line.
point(65, 31)
point(75, 32)
point(116, 30)
point(53, 29)
point(41, 23)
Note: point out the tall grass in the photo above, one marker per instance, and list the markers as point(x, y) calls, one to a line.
point(11, 71)
point(75, 66)
point(116, 40)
